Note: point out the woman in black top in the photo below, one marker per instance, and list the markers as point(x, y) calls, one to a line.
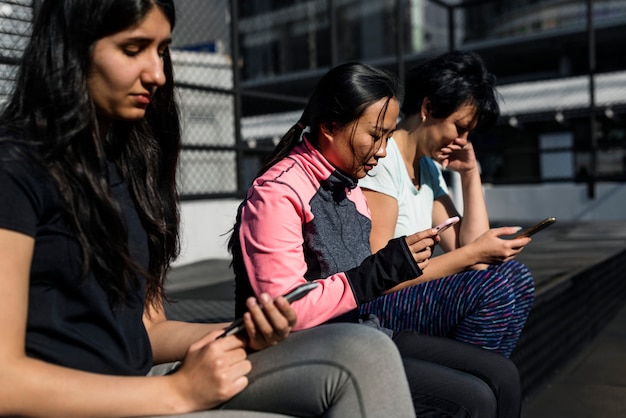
point(89, 144)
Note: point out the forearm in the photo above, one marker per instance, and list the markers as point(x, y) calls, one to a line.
point(170, 340)
point(30, 387)
point(385, 270)
point(443, 265)
point(449, 263)
point(475, 216)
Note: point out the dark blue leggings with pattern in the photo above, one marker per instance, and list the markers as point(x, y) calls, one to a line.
point(482, 307)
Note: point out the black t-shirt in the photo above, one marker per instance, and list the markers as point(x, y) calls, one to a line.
point(70, 321)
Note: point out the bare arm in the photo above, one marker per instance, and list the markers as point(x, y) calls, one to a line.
point(475, 222)
point(488, 249)
point(213, 370)
point(265, 326)
point(35, 388)
point(384, 212)
point(475, 217)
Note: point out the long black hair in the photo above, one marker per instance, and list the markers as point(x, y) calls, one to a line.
point(341, 96)
point(449, 81)
point(51, 108)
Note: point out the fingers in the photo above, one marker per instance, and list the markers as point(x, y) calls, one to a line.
point(422, 255)
point(224, 353)
point(493, 247)
point(456, 156)
point(286, 310)
point(269, 322)
point(505, 230)
point(211, 336)
point(213, 371)
point(427, 236)
point(421, 245)
point(452, 151)
point(423, 264)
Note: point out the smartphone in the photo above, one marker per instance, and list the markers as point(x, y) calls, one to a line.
point(535, 228)
point(447, 224)
point(295, 294)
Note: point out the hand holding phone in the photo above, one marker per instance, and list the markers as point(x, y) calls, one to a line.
point(535, 228)
point(447, 224)
point(297, 293)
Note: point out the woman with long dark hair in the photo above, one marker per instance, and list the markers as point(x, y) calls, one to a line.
point(89, 143)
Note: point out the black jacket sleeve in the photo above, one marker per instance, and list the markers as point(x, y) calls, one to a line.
point(389, 267)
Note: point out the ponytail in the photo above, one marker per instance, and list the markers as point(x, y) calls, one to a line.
point(284, 147)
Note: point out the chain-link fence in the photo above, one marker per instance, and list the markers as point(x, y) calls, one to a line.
point(239, 94)
point(15, 24)
point(202, 57)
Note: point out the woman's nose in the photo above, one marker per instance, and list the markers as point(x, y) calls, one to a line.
point(153, 73)
point(381, 152)
point(462, 140)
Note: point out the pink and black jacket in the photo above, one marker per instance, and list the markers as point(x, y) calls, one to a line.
point(303, 220)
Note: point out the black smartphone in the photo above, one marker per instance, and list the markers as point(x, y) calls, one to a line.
point(295, 294)
point(535, 228)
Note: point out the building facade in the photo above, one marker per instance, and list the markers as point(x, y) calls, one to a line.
point(239, 94)
point(539, 51)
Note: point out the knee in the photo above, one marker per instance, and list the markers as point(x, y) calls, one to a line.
point(477, 399)
point(353, 342)
point(508, 388)
point(509, 371)
point(484, 401)
point(522, 284)
point(504, 377)
point(523, 272)
point(516, 277)
point(518, 274)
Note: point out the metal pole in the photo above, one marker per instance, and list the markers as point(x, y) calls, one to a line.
point(400, 40)
point(591, 192)
point(332, 28)
point(234, 35)
point(451, 34)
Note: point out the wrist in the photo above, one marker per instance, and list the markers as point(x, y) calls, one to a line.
point(177, 401)
point(470, 171)
point(476, 254)
point(467, 255)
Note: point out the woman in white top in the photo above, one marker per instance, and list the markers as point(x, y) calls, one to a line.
point(483, 296)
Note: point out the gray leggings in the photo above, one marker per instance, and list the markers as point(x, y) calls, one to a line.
point(334, 370)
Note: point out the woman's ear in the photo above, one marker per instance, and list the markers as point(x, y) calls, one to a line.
point(327, 131)
point(426, 108)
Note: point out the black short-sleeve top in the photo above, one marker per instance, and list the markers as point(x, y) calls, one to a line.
point(70, 321)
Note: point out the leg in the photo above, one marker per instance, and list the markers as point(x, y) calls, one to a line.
point(331, 370)
point(482, 307)
point(471, 381)
point(166, 368)
point(229, 414)
point(440, 391)
point(523, 286)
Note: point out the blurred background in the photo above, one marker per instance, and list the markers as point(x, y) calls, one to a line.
point(244, 70)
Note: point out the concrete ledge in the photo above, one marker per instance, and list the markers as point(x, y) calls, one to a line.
point(579, 288)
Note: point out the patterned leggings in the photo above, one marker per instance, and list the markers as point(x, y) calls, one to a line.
point(482, 307)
